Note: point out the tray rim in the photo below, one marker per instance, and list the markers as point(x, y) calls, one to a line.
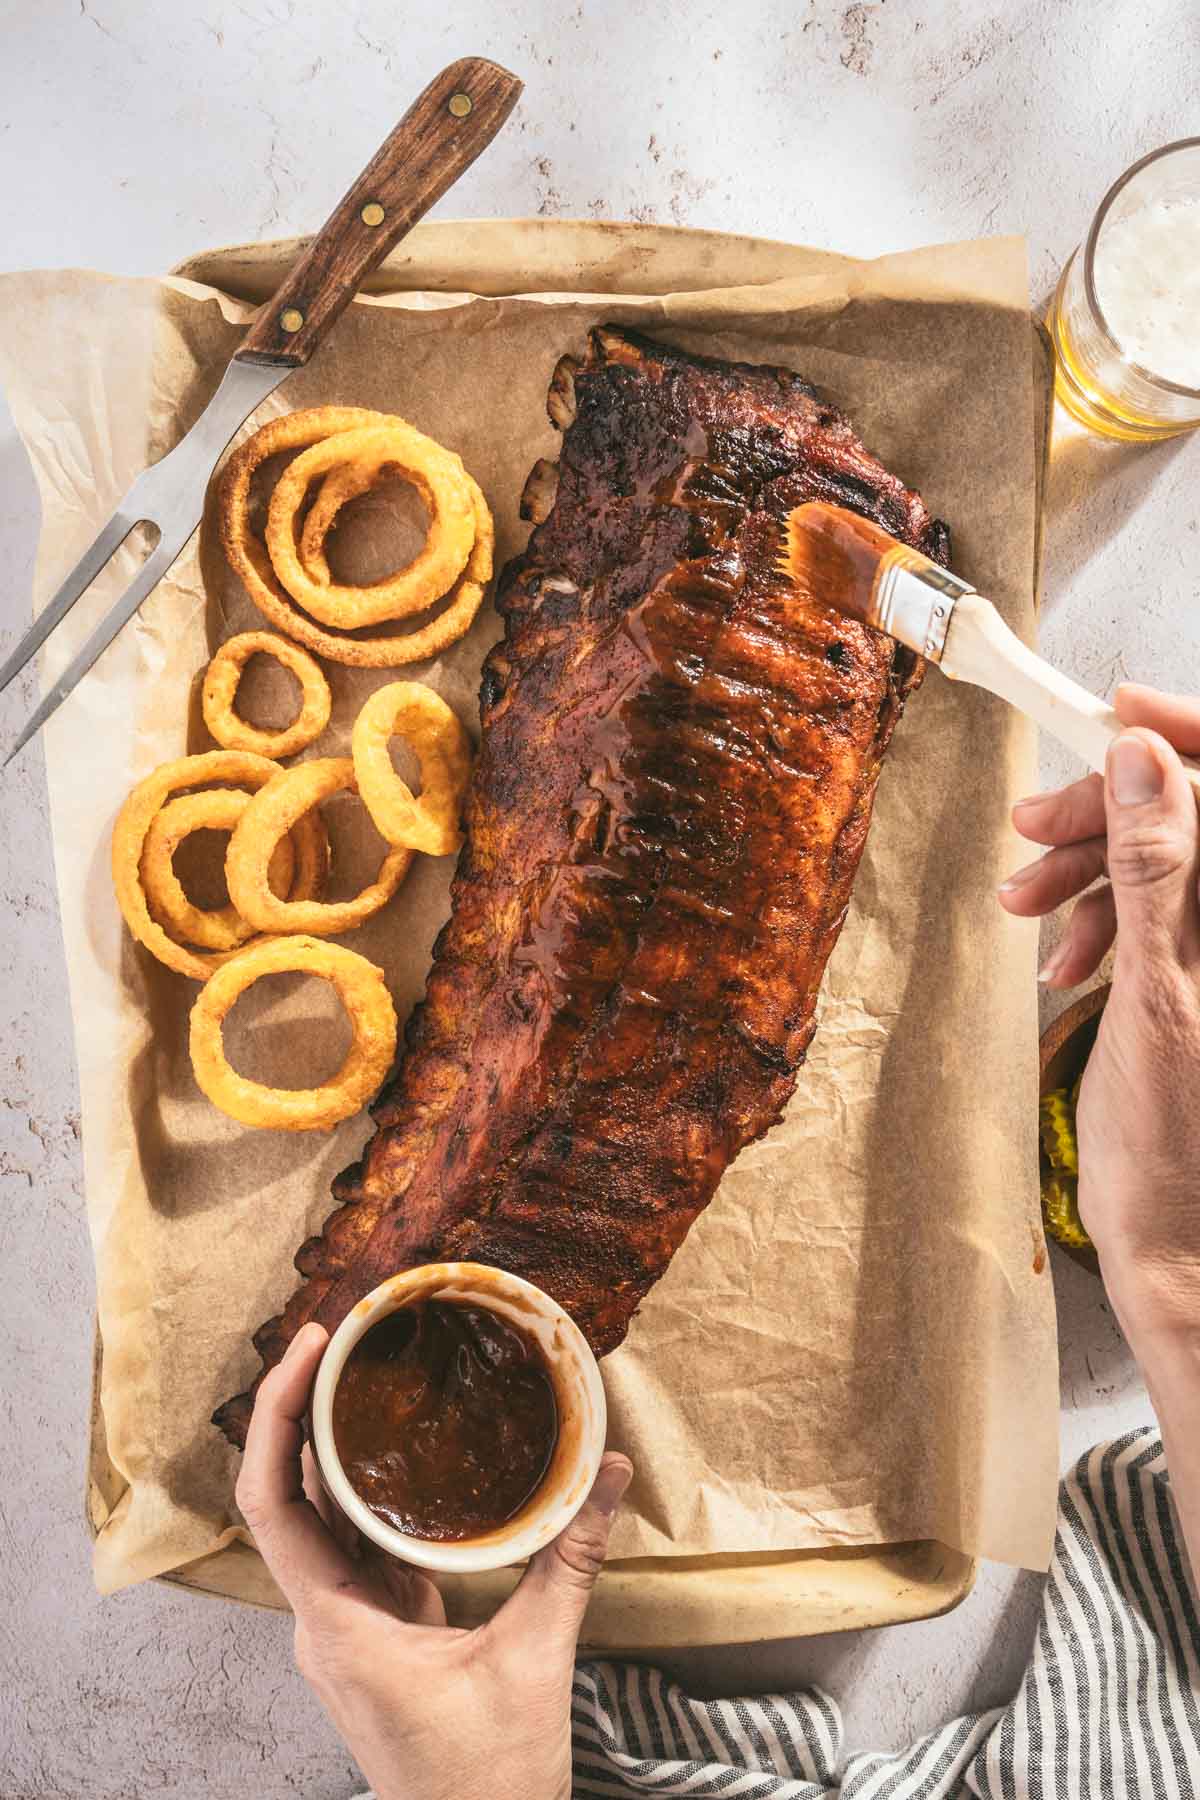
point(762, 1596)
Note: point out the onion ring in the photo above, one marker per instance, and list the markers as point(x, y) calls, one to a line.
point(129, 837)
point(249, 560)
point(440, 479)
point(276, 808)
point(360, 986)
point(344, 483)
point(221, 680)
point(429, 822)
point(297, 876)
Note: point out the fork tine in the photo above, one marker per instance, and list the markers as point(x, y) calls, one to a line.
point(151, 572)
point(102, 547)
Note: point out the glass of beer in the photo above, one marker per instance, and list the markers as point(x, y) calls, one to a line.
point(1126, 317)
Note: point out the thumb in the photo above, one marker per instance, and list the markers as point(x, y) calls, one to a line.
point(554, 1590)
point(1152, 845)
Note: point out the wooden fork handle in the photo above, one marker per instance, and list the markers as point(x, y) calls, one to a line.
point(440, 135)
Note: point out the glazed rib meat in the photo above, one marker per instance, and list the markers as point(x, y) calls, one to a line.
point(678, 762)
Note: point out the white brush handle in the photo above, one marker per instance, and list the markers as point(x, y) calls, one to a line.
point(981, 649)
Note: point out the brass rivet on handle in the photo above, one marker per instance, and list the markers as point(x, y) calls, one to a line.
point(460, 105)
point(291, 318)
point(372, 213)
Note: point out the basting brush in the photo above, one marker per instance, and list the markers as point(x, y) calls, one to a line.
point(849, 563)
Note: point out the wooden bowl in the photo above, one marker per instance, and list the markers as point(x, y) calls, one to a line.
point(1065, 1047)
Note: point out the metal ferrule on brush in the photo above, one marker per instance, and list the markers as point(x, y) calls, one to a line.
point(913, 600)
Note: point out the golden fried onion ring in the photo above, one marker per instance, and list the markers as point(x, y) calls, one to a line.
point(344, 483)
point(360, 986)
point(408, 710)
point(276, 808)
point(297, 876)
point(133, 823)
point(221, 680)
point(440, 479)
point(248, 557)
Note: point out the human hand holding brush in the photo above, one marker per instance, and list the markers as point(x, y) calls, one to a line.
point(1125, 847)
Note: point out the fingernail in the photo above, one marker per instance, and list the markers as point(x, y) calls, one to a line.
point(1053, 964)
point(610, 1487)
point(1135, 774)
point(1020, 878)
point(1030, 800)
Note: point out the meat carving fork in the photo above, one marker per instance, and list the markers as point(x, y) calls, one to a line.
point(439, 136)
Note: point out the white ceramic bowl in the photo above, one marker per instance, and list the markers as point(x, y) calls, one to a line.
point(578, 1393)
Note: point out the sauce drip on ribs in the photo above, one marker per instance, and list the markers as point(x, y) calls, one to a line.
point(678, 763)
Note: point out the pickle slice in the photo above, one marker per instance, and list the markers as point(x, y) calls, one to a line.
point(1060, 1209)
point(1056, 1115)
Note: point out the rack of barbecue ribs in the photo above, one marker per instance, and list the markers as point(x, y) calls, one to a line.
point(679, 756)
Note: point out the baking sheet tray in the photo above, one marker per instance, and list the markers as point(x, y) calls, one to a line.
point(651, 1604)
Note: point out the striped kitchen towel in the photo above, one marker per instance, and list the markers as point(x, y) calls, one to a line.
point(1109, 1708)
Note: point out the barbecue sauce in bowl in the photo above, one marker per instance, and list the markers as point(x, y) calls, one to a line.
point(444, 1420)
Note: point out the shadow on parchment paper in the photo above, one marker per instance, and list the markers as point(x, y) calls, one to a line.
point(905, 1132)
point(162, 1069)
point(200, 1479)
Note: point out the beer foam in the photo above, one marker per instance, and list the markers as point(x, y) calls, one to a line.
point(1147, 278)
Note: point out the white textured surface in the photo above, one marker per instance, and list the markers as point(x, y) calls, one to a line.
point(134, 133)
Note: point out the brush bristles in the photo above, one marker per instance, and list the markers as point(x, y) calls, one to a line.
point(787, 559)
point(828, 558)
